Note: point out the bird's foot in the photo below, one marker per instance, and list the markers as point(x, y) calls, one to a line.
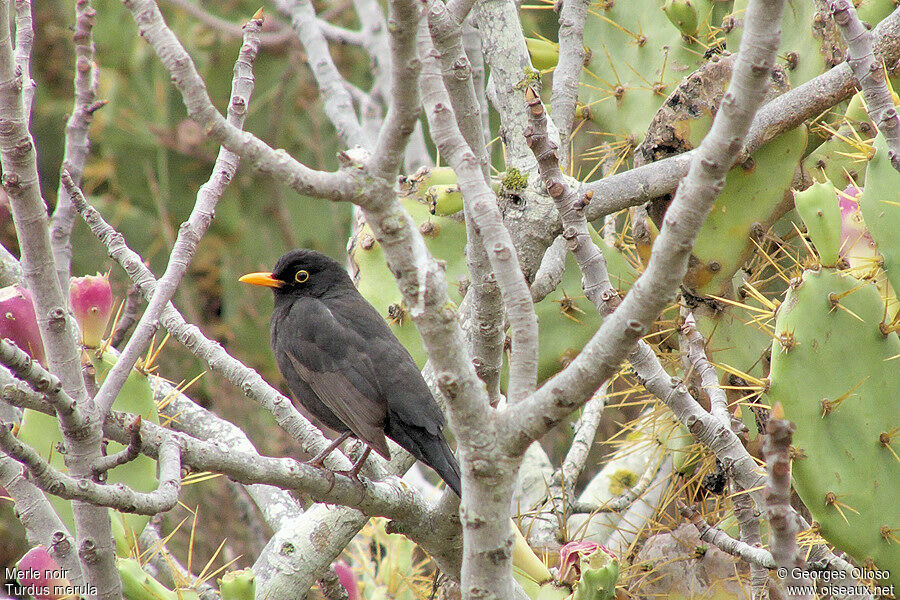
point(353, 473)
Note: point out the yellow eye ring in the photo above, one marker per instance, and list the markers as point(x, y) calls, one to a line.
point(301, 276)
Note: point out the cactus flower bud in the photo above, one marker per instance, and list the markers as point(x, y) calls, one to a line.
point(18, 321)
point(43, 578)
point(92, 302)
point(591, 568)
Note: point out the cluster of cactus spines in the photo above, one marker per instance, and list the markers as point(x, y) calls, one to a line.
point(832, 371)
point(842, 157)
point(137, 584)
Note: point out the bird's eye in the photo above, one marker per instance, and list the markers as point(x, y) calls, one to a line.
point(301, 276)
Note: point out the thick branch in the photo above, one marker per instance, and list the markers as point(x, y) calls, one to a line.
point(58, 330)
point(486, 216)
point(485, 326)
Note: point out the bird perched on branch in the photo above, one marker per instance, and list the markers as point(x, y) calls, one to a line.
point(343, 364)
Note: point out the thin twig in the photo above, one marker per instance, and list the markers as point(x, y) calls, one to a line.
point(77, 146)
point(129, 316)
point(191, 232)
point(120, 497)
point(723, 541)
point(126, 455)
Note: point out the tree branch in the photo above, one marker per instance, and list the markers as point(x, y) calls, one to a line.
point(192, 231)
point(567, 74)
point(781, 114)
point(340, 185)
point(87, 78)
point(336, 100)
point(116, 496)
point(870, 74)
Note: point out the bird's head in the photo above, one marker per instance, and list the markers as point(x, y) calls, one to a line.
point(302, 273)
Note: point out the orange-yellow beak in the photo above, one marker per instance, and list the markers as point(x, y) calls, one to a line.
point(263, 279)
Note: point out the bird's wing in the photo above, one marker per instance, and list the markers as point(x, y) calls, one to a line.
point(333, 360)
point(363, 415)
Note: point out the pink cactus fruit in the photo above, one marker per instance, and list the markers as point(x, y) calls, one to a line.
point(857, 245)
point(348, 580)
point(41, 576)
point(576, 555)
point(18, 321)
point(92, 302)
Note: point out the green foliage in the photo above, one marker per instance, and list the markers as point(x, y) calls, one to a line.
point(833, 371)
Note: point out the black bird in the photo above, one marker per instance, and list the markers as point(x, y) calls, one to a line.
point(344, 365)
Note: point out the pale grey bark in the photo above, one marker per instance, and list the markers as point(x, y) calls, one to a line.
point(87, 78)
point(870, 74)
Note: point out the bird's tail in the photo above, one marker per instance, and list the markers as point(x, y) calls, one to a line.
point(429, 448)
point(448, 468)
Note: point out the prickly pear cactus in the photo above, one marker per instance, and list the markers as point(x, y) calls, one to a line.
point(835, 373)
point(810, 41)
point(638, 54)
point(880, 206)
point(818, 207)
point(754, 197)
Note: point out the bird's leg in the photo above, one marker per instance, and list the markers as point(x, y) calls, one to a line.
point(353, 473)
point(319, 460)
